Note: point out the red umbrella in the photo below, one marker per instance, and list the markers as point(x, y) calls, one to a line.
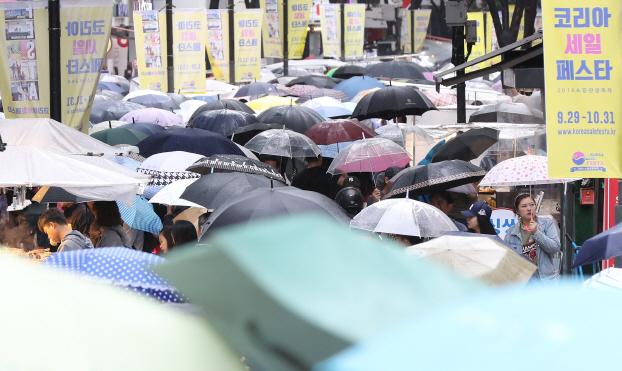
point(339, 131)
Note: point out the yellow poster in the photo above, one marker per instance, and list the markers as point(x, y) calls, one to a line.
point(150, 34)
point(272, 28)
point(298, 19)
point(85, 32)
point(189, 50)
point(24, 59)
point(218, 43)
point(406, 33)
point(330, 21)
point(422, 20)
point(247, 31)
point(479, 49)
point(354, 30)
point(582, 59)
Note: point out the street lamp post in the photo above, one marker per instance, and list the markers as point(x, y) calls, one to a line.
point(169, 47)
point(55, 80)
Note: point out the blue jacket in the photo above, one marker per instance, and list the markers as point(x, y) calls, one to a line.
point(547, 245)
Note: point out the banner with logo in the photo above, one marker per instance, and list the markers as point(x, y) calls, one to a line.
point(479, 49)
point(247, 31)
point(582, 60)
point(218, 43)
point(272, 28)
point(330, 21)
point(150, 37)
point(422, 20)
point(298, 19)
point(406, 33)
point(24, 59)
point(354, 30)
point(85, 33)
point(189, 50)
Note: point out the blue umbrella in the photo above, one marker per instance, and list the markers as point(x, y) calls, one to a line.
point(155, 101)
point(145, 127)
point(257, 88)
point(118, 266)
point(204, 98)
point(357, 84)
point(199, 141)
point(140, 216)
point(102, 85)
point(128, 162)
point(223, 121)
point(600, 247)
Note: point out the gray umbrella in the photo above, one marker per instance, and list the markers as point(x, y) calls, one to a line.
point(282, 142)
point(296, 118)
point(100, 98)
point(222, 121)
point(178, 98)
point(112, 110)
point(110, 94)
point(516, 113)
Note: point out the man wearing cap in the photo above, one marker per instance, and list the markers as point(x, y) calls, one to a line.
point(478, 219)
point(377, 195)
point(352, 182)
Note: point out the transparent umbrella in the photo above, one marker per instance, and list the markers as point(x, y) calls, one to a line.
point(399, 133)
point(283, 142)
point(369, 155)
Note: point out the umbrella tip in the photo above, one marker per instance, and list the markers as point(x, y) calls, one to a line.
point(271, 184)
point(133, 120)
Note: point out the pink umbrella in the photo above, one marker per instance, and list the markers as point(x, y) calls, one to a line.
point(369, 155)
point(302, 89)
point(524, 170)
point(440, 99)
point(159, 116)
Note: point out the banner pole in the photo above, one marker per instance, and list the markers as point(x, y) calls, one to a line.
point(412, 31)
point(285, 38)
point(55, 73)
point(169, 46)
point(231, 43)
point(343, 31)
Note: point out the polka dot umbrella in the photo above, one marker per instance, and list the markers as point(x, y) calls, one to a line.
point(524, 170)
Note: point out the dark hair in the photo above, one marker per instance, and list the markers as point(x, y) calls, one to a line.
point(518, 200)
point(184, 232)
point(167, 233)
point(107, 214)
point(445, 195)
point(485, 226)
point(313, 159)
point(51, 216)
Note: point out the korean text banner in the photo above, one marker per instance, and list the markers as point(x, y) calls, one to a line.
point(330, 18)
point(298, 19)
point(189, 33)
point(422, 20)
point(218, 43)
point(406, 34)
point(273, 28)
point(247, 31)
point(24, 59)
point(150, 33)
point(85, 33)
point(583, 79)
point(354, 30)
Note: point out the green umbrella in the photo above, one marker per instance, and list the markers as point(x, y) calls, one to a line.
point(55, 321)
point(330, 73)
point(289, 292)
point(120, 136)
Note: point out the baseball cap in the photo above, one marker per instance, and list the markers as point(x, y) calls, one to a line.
point(478, 209)
point(352, 181)
point(392, 171)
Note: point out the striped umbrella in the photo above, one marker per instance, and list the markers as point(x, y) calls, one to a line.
point(318, 93)
point(140, 216)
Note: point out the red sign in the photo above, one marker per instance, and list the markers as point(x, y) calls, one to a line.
point(609, 213)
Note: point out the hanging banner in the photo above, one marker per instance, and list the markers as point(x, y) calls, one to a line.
point(150, 37)
point(479, 49)
point(272, 29)
point(583, 88)
point(247, 31)
point(189, 50)
point(85, 33)
point(330, 17)
point(24, 59)
point(298, 19)
point(218, 43)
point(406, 33)
point(354, 30)
point(422, 20)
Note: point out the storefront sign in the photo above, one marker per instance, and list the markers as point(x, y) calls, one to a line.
point(189, 33)
point(354, 30)
point(502, 220)
point(422, 20)
point(330, 21)
point(150, 34)
point(247, 31)
point(218, 43)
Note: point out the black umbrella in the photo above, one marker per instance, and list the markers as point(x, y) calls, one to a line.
point(296, 118)
point(112, 110)
point(145, 127)
point(346, 72)
point(440, 176)
point(515, 113)
point(235, 163)
point(232, 104)
point(467, 146)
point(256, 88)
point(156, 101)
point(317, 81)
point(222, 121)
point(242, 135)
point(397, 70)
point(391, 102)
point(198, 141)
point(213, 190)
point(603, 246)
point(266, 202)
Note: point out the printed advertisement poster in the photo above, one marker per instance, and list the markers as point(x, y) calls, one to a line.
point(422, 20)
point(298, 19)
point(582, 59)
point(330, 20)
point(247, 31)
point(189, 31)
point(354, 30)
point(24, 60)
point(406, 33)
point(272, 28)
point(85, 33)
point(150, 34)
point(218, 43)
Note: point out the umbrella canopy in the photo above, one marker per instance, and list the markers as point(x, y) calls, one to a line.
point(441, 99)
point(109, 94)
point(139, 93)
point(240, 164)
point(404, 217)
point(187, 109)
point(144, 127)
point(112, 110)
point(231, 104)
point(291, 72)
point(98, 99)
point(256, 88)
point(523, 170)
point(357, 98)
point(328, 107)
point(170, 194)
point(140, 216)
point(330, 72)
point(439, 176)
point(318, 93)
point(168, 167)
point(296, 118)
point(397, 70)
point(362, 288)
point(467, 146)
point(399, 134)
point(204, 98)
point(338, 131)
point(156, 101)
point(302, 89)
point(477, 257)
point(197, 141)
point(178, 98)
point(391, 102)
point(244, 134)
point(603, 246)
point(349, 71)
point(314, 80)
point(270, 101)
point(213, 190)
point(105, 125)
point(120, 136)
point(516, 113)
point(102, 85)
point(223, 121)
point(369, 155)
point(115, 79)
point(607, 279)
point(159, 116)
point(355, 85)
point(281, 142)
point(215, 85)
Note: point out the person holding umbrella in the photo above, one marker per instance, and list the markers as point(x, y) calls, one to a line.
point(378, 194)
point(314, 178)
point(443, 201)
point(478, 219)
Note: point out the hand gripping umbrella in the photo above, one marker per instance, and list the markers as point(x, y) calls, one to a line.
point(391, 102)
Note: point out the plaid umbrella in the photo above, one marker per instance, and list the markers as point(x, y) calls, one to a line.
point(317, 93)
point(302, 89)
point(140, 216)
point(440, 99)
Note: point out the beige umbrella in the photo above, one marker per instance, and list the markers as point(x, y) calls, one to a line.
point(477, 257)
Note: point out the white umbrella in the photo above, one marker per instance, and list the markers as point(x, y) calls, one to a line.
point(166, 168)
point(108, 77)
point(477, 257)
point(159, 116)
point(215, 85)
point(608, 279)
point(188, 108)
point(247, 152)
point(139, 93)
point(403, 216)
point(328, 107)
point(169, 195)
point(105, 125)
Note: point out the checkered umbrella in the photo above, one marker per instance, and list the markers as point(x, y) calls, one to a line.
point(140, 216)
point(302, 89)
point(440, 99)
point(166, 168)
point(317, 93)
